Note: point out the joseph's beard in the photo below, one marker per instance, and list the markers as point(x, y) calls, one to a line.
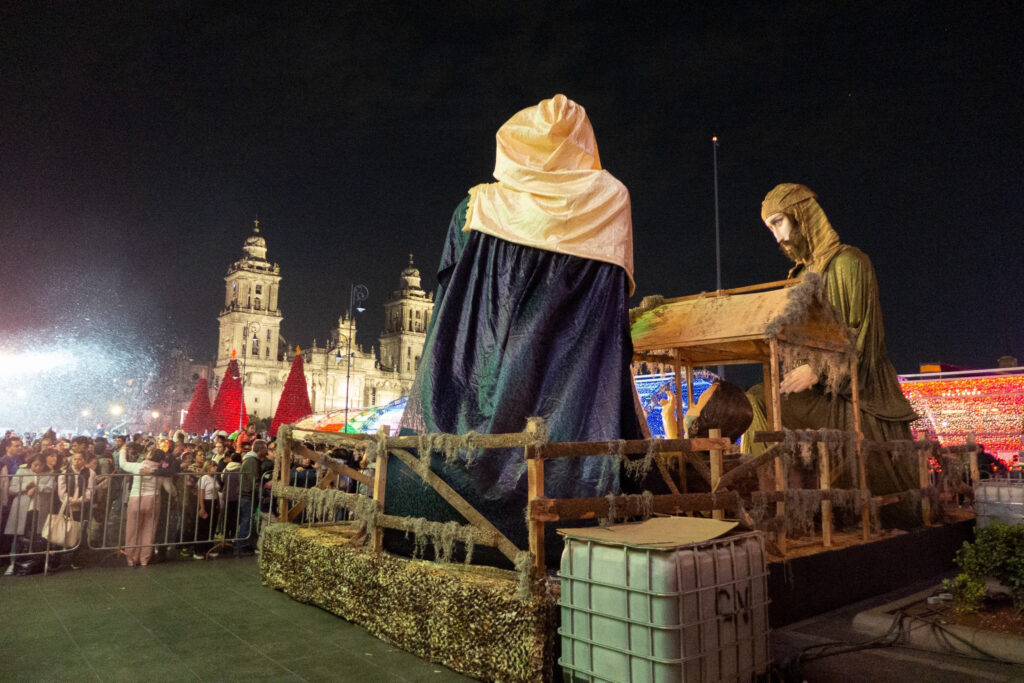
point(786, 247)
point(791, 249)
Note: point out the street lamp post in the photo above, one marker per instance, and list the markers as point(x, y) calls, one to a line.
point(357, 294)
point(718, 241)
point(245, 357)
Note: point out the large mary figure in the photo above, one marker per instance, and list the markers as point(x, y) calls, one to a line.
point(530, 319)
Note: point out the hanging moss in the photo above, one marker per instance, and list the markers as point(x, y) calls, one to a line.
point(637, 469)
point(646, 505)
point(832, 367)
point(759, 509)
point(801, 507)
point(648, 303)
point(524, 568)
point(611, 517)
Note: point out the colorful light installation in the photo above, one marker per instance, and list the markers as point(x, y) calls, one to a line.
point(991, 407)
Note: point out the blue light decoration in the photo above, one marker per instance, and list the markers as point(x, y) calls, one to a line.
point(653, 388)
point(650, 388)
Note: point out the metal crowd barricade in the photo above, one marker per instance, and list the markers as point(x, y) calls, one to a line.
point(32, 498)
point(174, 517)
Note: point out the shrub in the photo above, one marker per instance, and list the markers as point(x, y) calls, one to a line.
point(997, 553)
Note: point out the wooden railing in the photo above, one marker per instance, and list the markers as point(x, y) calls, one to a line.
point(705, 456)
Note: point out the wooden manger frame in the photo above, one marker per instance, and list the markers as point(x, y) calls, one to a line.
point(741, 326)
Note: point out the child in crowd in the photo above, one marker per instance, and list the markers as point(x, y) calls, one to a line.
point(208, 495)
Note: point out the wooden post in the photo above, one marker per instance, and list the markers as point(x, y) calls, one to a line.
point(776, 402)
point(535, 490)
point(716, 470)
point(825, 483)
point(689, 396)
point(865, 508)
point(677, 361)
point(380, 478)
point(926, 503)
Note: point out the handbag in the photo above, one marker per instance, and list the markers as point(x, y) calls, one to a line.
point(60, 529)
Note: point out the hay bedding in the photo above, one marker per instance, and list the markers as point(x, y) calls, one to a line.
point(467, 618)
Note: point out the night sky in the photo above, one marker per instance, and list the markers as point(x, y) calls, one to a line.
point(138, 142)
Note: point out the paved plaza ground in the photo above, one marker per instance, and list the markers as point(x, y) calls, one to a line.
point(182, 621)
point(186, 620)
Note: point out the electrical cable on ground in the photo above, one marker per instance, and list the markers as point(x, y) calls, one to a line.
point(896, 636)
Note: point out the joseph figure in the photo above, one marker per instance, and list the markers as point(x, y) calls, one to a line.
point(803, 232)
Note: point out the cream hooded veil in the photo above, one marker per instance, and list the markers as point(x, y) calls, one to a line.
point(552, 193)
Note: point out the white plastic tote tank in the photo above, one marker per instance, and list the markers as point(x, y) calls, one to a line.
point(695, 612)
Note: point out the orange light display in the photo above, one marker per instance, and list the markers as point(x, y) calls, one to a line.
point(989, 406)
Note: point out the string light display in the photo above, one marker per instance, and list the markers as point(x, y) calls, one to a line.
point(990, 406)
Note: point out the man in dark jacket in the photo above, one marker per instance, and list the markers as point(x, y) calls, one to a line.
point(248, 491)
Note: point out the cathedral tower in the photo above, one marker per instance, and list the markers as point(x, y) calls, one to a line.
point(406, 316)
point(250, 305)
point(250, 326)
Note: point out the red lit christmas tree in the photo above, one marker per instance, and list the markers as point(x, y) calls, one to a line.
point(199, 417)
point(229, 405)
point(294, 403)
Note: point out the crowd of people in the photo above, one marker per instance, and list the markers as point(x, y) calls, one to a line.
point(138, 494)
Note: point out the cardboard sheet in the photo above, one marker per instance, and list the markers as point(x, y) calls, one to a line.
point(657, 532)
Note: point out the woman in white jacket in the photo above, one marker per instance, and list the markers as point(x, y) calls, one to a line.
point(31, 493)
point(143, 507)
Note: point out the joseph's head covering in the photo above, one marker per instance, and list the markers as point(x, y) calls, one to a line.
point(801, 204)
point(784, 196)
point(552, 193)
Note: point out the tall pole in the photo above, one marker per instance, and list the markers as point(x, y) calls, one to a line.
point(357, 294)
point(718, 238)
point(718, 241)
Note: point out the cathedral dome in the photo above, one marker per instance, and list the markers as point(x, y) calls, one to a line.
point(411, 276)
point(255, 246)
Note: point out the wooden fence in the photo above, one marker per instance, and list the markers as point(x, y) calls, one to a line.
point(825, 452)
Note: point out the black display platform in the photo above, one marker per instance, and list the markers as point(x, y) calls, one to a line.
point(806, 586)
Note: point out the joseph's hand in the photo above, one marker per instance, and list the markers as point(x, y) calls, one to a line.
point(798, 379)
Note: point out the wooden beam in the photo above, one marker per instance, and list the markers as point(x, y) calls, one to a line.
point(505, 546)
point(749, 467)
point(562, 509)
point(535, 491)
point(780, 471)
point(380, 479)
point(824, 483)
point(677, 414)
point(716, 470)
point(334, 465)
point(736, 290)
point(865, 511)
point(574, 449)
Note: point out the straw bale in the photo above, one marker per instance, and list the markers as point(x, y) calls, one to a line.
point(467, 618)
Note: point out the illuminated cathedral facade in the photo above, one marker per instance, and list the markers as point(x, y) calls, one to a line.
point(338, 372)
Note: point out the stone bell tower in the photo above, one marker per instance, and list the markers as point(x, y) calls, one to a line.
point(407, 313)
point(250, 305)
